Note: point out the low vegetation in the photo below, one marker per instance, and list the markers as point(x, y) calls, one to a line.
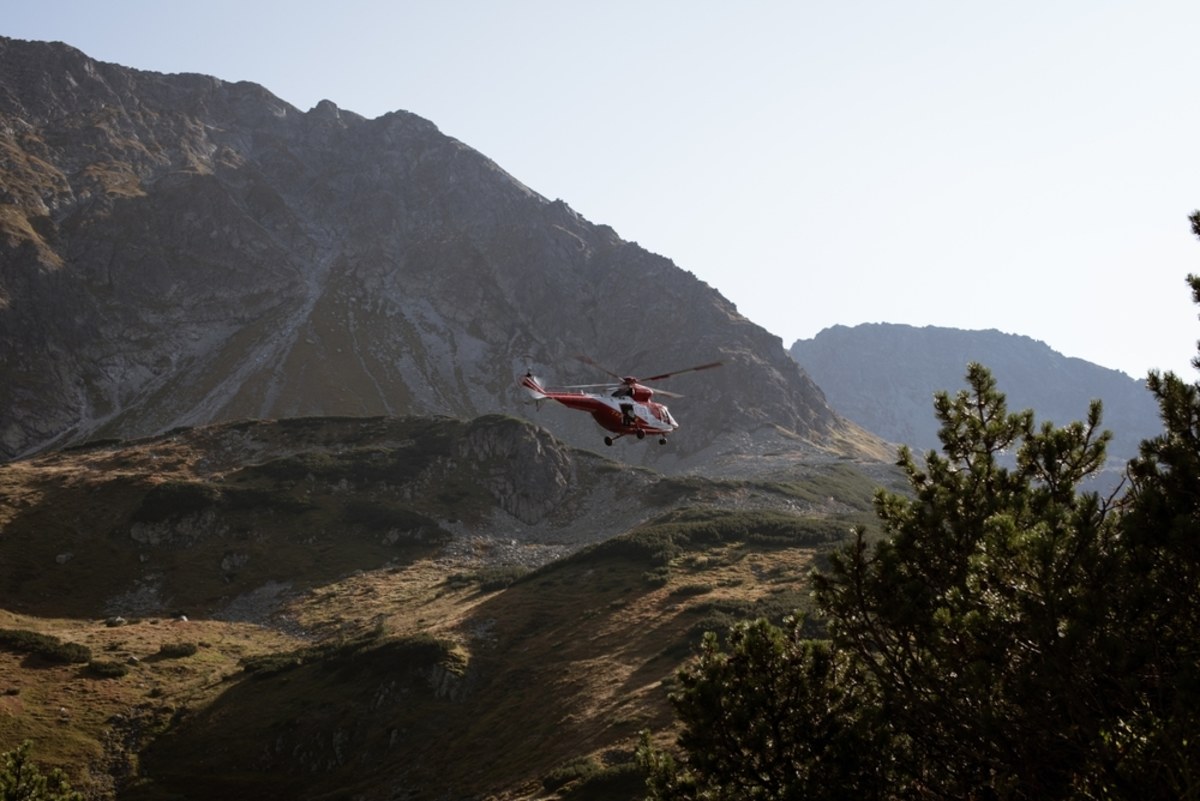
point(588, 779)
point(177, 650)
point(171, 500)
point(22, 779)
point(659, 543)
point(490, 578)
point(814, 485)
point(420, 649)
point(107, 669)
point(46, 646)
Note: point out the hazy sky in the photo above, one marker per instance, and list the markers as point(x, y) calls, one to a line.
point(1026, 166)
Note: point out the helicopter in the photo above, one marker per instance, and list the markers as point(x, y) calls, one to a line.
point(623, 408)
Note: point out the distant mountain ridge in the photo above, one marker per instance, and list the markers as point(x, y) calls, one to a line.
point(883, 376)
point(178, 250)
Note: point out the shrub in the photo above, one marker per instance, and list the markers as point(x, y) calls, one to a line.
point(25, 641)
point(590, 780)
point(68, 653)
point(665, 538)
point(572, 771)
point(107, 669)
point(491, 579)
point(658, 577)
point(627, 780)
point(174, 500)
point(289, 468)
point(377, 516)
point(22, 778)
point(270, 664)
point(176, 650)
point(687, 590)
point(419, 649)
point(241, 499)
point(50, 648)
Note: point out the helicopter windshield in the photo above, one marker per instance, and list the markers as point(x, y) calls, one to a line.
point(662, 413)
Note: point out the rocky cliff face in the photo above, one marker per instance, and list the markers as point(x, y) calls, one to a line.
point(884, 376)
point(177, 249)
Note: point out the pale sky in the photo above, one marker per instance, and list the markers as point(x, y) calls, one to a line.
point(1026, 166)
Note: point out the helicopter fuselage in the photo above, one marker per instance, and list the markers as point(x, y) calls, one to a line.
point(629, 410)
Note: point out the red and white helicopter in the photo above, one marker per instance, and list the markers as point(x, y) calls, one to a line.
point(624, 408)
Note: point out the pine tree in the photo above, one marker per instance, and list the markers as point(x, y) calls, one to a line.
point(975, 614)
point(770, 714)
point(22, 780)
point(1158, 741)
point(964, 655)
point(1008, 636)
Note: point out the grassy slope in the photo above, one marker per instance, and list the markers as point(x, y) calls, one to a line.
point(567, 663)
point(401, 671)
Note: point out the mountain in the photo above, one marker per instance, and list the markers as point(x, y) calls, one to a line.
point(178, 249)
point(883, 376)
point(376, 608)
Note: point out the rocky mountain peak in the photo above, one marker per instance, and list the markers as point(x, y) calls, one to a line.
point(179, 249)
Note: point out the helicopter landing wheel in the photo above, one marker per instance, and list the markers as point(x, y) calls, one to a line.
point(608, 441)
point(641, 434)
point(662, 440)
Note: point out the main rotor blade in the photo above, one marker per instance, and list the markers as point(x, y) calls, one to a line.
point(708, 366)
point(600, 367)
